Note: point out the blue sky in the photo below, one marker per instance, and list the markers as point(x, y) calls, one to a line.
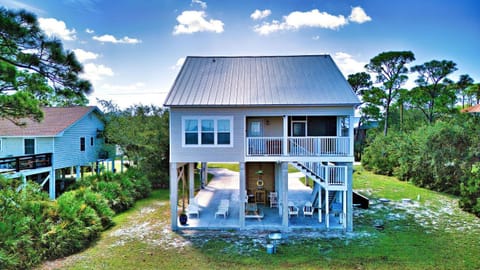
point(132, 49)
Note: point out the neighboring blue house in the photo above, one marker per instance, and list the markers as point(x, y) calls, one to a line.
point(265, 113)
point(68, 137)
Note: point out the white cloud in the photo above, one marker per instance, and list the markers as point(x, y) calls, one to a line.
point(84, 56)
point(358, 15)
point(19, 5)
point(260, 14)
point(298, 19)
point(202, 4)
point(191, 21)
point(316, 37)
point(112, 39)
point(55, 28)
point(179, 64)
point(347, 64)
point(89, 31)
point(94, 72)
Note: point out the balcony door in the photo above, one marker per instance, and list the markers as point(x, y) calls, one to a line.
point(256, 128)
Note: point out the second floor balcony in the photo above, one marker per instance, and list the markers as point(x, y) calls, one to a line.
point(298, 146)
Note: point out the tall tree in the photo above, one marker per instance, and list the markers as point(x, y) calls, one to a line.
point(35, 70)
point(391, 74)
point(359, 82)
point(463, 83)
point(473, 93)
point(433, 87)
point(143, 135)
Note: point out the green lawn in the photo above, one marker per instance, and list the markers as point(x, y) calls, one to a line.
point(429, 233)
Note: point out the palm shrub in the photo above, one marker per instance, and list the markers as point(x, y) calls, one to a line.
point(78, 224)
point(22, 224)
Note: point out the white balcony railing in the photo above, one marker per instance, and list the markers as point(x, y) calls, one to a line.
point(298, 146)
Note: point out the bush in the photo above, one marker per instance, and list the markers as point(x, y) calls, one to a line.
point(382, 153)
point(33, 228)
point(470, 193)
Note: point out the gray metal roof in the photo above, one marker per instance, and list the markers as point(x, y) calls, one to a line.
point(306, 80)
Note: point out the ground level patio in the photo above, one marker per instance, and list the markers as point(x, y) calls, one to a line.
point(225, 186)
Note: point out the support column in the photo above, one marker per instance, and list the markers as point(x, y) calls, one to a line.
point(173, 195)
point(243, 195)
point(284, 195)
point(113, 165)
point(121, 164)
point(78, 172)
point(191, 182)
point(204, 174)
point(349, 195)
point(51, 184)
point(285, 136)
point(327, 209)
point(320, 204)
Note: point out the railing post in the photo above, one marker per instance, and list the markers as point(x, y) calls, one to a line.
point(350, 135)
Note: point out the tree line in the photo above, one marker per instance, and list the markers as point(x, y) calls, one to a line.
point(423, 136)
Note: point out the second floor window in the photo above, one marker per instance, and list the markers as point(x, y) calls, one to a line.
point(29, 145)
point(82, 144)
point(208, 131)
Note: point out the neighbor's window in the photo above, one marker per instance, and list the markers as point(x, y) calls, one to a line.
point(82, 144)
point(29, 146)
point(207, 131)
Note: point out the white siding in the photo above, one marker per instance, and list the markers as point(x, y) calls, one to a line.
point(67, 147)
point(235, 153)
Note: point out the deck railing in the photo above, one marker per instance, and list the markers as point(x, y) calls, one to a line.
point(333, 175)
point(27, 162)
point(298, 146)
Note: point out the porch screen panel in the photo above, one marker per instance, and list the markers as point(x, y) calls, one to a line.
point(208, 132)
point(191, 132)
point(223, 134)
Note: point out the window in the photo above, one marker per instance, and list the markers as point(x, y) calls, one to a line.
point(223, 134)
point(0, 145)
point(191, 132)
point(207, 131)
point(345, 125)
point(91, 141)
point(82, 144)
point(29, 146)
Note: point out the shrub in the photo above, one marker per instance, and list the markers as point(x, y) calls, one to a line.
point(382, 153)
point(470, 193)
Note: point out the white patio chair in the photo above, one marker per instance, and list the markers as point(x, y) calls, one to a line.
point(292, 209)
point(273, 199)
point(308, 209)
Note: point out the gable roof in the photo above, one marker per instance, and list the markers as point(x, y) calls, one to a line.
point(305, 80)
point(55, 121)
point(473, 109)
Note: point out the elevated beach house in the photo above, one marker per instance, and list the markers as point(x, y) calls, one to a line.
point(264, 113)
point(68, 137)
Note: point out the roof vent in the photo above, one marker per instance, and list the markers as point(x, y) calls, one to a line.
point(213, 60)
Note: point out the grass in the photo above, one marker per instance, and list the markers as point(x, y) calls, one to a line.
point(431, 233)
